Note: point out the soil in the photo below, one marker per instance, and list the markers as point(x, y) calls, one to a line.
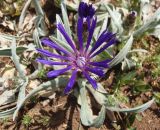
point(63, 114)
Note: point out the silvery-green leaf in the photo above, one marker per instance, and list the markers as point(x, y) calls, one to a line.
point(62, 43)
point(116, 20)
point(7, 96)
point(15, 59)
point(30, 47)
point(99, 29)
point(8, 37)
point(99, 120)
point(127, 64)
point(101, 6)
point(71, 5)
point(7, 51)
point(101, 98)
point(122, 54)
point(65, 19)
point(7, 113)
point(104, 25)
point(86, 114)
point(149, 25)
point(24, 79)
point(101, 17)
point(140, 108)
point(40, 22)
point(59, 35)
point(36, 38)
point(156, 32)
point(54, 84)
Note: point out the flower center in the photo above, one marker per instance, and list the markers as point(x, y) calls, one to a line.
point(81, 61)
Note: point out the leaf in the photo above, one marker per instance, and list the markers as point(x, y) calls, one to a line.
point(122, 54)
point(15, 59)
point(141, 86)
point(7, 113)
point(116, 19)
point(149, 25)
point(86, 114)
point(65, 19)
point(7, 97)
point(24, 82)
point(127, 78)
point(127, 64)
point(140, 108)
point(8, 37)
point(62, 43)
point(7, 51)
point(59, 35)
point(54, 84)
point(101, 98)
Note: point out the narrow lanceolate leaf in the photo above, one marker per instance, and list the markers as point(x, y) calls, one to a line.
point(53, 84)
point(140, 108)
point(21, 87)
point(149, 25)
point(7, 113)
point(116, 18)
point(86, 114)
point(15, 59)
point(99, 120)
point(8, 37)
point(61, 42)
point(100, 97)
point(122, 54)
point(65, 19)
point(59, 35)
point(7, 52)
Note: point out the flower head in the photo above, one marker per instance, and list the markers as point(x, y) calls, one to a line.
point(81, 58)
point(86, 10)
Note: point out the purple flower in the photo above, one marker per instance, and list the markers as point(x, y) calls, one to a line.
point(82, 57)
point(86, 10)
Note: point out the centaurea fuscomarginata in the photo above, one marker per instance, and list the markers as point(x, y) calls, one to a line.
point(81, 58)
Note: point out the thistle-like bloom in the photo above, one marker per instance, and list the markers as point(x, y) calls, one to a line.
point(82, 57)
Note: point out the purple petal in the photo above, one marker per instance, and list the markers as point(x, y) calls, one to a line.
point(88, 22)
point(111, 42)
point(101, 63)
point(85, 10)
point(97, 71)
point(81, 8)
point(71, 82)
point(50, 54)
point(80, 32)
point(48, 62)
point(92, 81)
point(65, 35)
point(91, 10)
point(54, 45)
point(55, 73)
point(91, 30)
point(105, 36)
